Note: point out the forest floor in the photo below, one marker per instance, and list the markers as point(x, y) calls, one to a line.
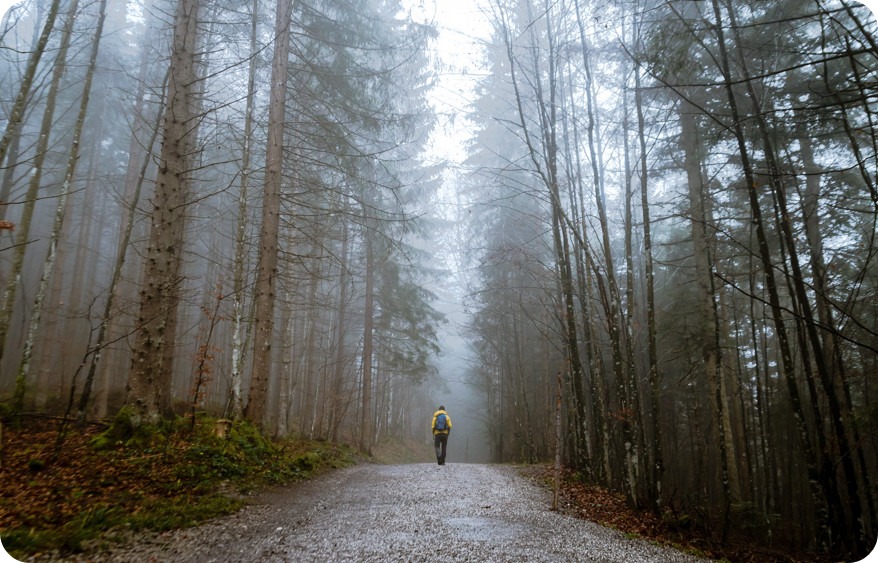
point(596, 504)
point(59, 493)
point(60, 498)
point(413, 513)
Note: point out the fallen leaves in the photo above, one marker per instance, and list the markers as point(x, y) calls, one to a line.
point(41, 486)
point(597, 504)
point(57, 494)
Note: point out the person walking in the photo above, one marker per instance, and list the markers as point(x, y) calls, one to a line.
point(441, 429)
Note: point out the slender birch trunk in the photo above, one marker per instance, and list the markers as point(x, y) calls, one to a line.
point(70, 173)
point(238, 339)
point(20, 104)
point(12, 150)
point(30, 203)
point(613, 302)
point(630, 311)
point(584, 263)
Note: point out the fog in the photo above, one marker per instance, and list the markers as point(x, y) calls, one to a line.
point(640, 235)
point(464, 402)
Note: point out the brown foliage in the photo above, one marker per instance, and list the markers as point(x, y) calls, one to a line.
point(597, 504)
point(41, 492)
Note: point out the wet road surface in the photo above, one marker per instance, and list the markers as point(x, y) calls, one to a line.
point(419, 512)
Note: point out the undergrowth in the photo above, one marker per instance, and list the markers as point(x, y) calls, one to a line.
point(96, 482)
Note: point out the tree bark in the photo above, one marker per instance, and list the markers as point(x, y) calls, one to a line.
point(134, 182)
point(238, 340)
point(19, 106)
point(787, 366)
point(337, 406)
point(855, 535)
point(658, 465)
point(832, 348)
point(149, 382)
point(35, 177)
point(69, 175)
point(707, 298)
point(365, 436)
point(266, 266)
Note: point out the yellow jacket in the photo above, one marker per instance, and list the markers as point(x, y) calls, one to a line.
point(433, 425)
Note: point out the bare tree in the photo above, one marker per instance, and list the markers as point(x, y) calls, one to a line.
point(34, 183)
point(366, 425)
point(266, 266)
point(66, 186)
point(106, 320)
point(238, 342)
point(657, 465)
point(18, 108)
point(149, 382)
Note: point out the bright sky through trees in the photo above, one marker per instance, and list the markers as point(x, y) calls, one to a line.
point(4, 6)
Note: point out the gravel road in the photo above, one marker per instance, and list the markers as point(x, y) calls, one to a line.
point(419, 512)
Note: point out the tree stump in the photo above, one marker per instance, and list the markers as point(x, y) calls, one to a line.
point(221, 427)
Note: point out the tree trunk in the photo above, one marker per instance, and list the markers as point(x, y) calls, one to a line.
point(708, 314)
point(546, 164)
point(630, 310)
point(266, 266)
point(238, 346)
point(854, 531)
point(18, 107)
point(601, 468)
point(338, 407)
point(811, 220)
point(658, 464)
point(310, 385)
point(368, 315)
point(149, 382)
point(30, 202)
point(787, 367)
point(134, 182)
point(70, 173)
point(626, 414)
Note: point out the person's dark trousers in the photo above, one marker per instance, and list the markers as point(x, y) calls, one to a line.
point(441, 443)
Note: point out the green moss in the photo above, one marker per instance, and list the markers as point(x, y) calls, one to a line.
point(182, 512)
point(173, 475)
point(307, 461)
point(23, 542)
point(126, 429)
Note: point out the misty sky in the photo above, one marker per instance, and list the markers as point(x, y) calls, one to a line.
point(461, 26)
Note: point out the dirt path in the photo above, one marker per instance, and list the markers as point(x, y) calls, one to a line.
point(423, 512)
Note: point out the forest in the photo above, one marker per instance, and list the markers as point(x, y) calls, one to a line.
point(663, 235)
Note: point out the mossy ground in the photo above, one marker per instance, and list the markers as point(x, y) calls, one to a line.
point(56, 495)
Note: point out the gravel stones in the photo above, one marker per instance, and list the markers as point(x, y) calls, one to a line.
point(424, 512)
